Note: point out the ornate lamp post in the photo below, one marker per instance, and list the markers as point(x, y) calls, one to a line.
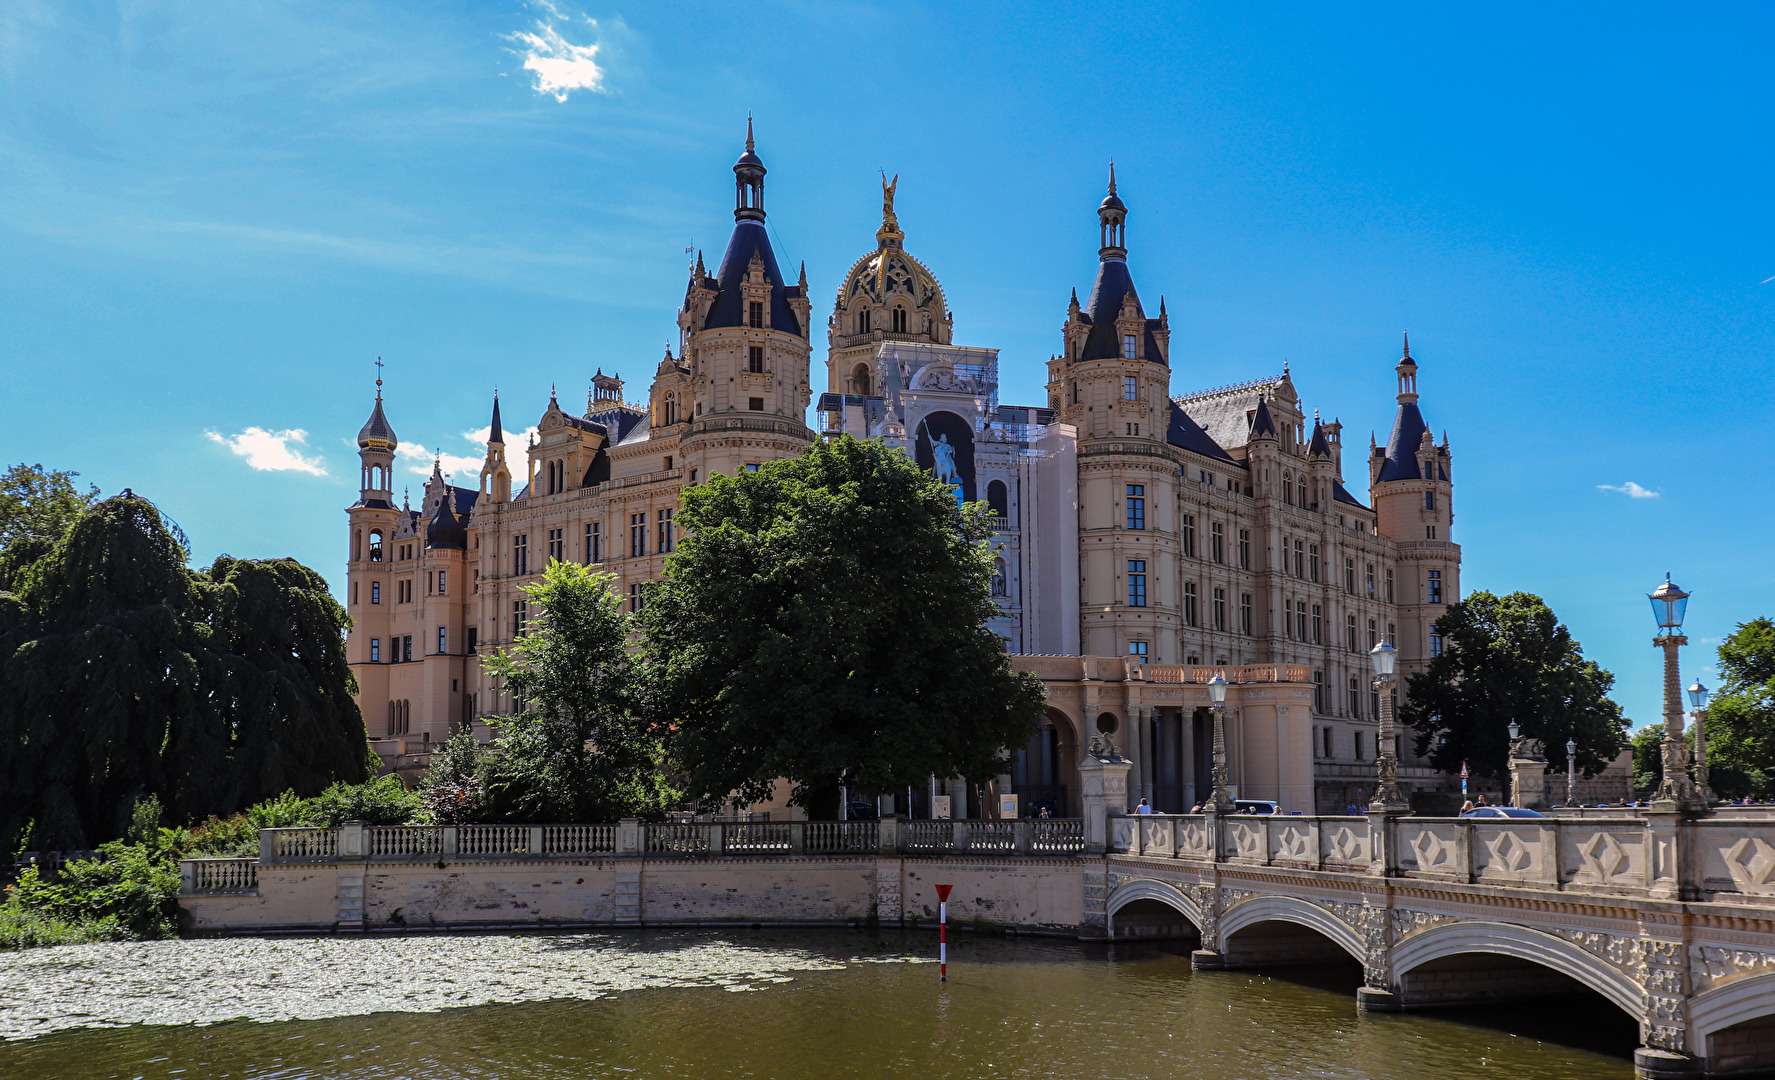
point(1387, 799)
point(1698, 698)
point(1571, 772)
point(1515, 730)
point(1677, 790)
point(1221, 802)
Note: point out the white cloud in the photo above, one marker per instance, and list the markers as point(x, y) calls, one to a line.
point(464, 470)
point(559, 66)
point(1631, 490)
point(272, 451)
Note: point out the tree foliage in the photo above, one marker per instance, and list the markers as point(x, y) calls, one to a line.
point(124, 674)
point(36, 508)
point(578, 747)
point(1741, 718)
point(1509, 658)
point(825, 616)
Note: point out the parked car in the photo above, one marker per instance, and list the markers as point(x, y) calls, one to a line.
point(1256, 806)
point(1501, 812)
point(862, 810)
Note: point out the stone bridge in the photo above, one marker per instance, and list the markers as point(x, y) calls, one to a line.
point(1670, 918)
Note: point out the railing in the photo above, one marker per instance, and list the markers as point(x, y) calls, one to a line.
point(493, 840)
point(298, 844)
point(578, 839)
point(218, 876)
point(407, 840)
point(1732, 858)
point(1248, 673)
point(841, 837)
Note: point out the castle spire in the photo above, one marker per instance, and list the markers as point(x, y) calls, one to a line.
point(496, 433)
point(748, 182)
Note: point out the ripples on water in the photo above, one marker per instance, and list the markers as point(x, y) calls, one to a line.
point(823, 1005)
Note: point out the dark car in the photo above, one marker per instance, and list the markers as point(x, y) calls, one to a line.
point(862, 810)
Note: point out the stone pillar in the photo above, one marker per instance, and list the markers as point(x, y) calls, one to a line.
point(1528, 774)
point(1103, 780)
point(1186, 735)
point(628, 838)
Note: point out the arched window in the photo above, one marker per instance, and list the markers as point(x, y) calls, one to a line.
point(860, 379)
point(375, 545)
point(1288, 488)
point(357, 545)
point(863, 321)
point(998, 499)
point(999, 580)
point(899, 320)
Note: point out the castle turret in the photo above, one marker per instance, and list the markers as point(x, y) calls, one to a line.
point(496, 476)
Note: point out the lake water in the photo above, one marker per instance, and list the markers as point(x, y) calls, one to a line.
point(774, 1005)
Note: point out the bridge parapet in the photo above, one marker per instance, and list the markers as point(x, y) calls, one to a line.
point(1652, 855)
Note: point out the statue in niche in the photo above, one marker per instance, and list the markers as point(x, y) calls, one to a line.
point(943, 459)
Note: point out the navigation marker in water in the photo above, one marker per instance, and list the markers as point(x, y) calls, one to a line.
point(943, 932)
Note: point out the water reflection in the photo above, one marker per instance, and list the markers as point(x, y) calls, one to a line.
point(850, 1006)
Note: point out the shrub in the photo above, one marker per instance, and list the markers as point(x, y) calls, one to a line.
point(383, 801)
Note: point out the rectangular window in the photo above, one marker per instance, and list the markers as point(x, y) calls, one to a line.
point(1435, 583)
point(1137, 649)
point(375, 650)
point(1136, 506)
point(755, 404)
point(1373, 639)
point(1136, 582)
point(1206, 477)
point(1350, 576)
point(1127, 346)
point(407, 648)
point(557, 545)
point(473, 635)
point(1370, 580)
point(1130, 388)
point(1217, 541)
point(755, 314)
point(1327, 740)
point(1189, 535)
point(1356, 708)
point(521, 555)
point(1300, 559)
point(1300, 620)
point(1318, 625)
point(665, 531)
point(637, 535)
point(637, 597)
point(594, 544)
point(1435, 645)
point(1389, 585)
point(1429, 500)
point(443, 640)
point(443, 583)
point(1244, 549)
point(755, 359)
point(354, 594)
point(1313, 562)
point(1429, 532)
point(375, 592)
point(1356, 737)
point(520, 616)
point(1245, 613)
point(897, 320)
point(1190, 615)
point(1350, 632)
point(1220, 609)
point(1319, 702)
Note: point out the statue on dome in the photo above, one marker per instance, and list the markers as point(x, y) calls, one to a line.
point(888, 221)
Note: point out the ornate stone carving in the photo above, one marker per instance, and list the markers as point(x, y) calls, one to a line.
point(1192, 838)
point(1620, 952)
point(1605, 856)
point(1296, 844)
point(1349, 845)
point(1247, 841)
point(1406, 921)
point(1371, 923)
point(1713, 962)
point(1207, 899)
point(1510, 851)
point(1751, 862)
point(1435, 853)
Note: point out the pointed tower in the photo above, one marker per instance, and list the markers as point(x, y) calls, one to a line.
point(1411, 488)
point(373, 521)
point(496, 476)
point(745, 345)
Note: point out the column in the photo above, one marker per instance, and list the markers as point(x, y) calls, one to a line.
point(1186, 735)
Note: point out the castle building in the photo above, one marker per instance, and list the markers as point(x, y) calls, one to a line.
point(1145, 538)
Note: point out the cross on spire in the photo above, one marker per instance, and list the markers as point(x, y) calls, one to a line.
point(379, 378)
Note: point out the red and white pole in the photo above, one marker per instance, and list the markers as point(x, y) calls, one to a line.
point(943, 932)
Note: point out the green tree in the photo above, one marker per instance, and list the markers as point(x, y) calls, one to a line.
point(124, 674)
point(1508, 658)
point(1741, 718)
point(578, 748)
point(825, 616)
point(1648, 758)
point(36, 508)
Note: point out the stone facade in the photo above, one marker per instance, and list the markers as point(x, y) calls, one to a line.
point(1206, 529)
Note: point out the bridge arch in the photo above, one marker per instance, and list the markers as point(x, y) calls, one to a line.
point(1727, 1004)
point(1146, 889)
point(1519, 943)
point(1288, 909)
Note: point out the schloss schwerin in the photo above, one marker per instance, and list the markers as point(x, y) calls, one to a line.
point(1208, 530)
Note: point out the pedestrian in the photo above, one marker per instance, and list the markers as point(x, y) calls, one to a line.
point(1196, 809)
point(1481, 801)
point(1044, 812)
point(1467, 807)
point(1143, 808)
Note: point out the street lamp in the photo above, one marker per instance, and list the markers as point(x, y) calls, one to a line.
point(1220, 802)
point(1676, 792)
point(1387, 799)
point(1515, 731)
point(1698, 698)
point(1571, 772)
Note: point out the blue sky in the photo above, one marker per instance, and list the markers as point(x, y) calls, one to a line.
point(214, 216)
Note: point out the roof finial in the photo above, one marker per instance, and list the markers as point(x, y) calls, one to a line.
point(1112, 176)
point(379, 378)
point(748, 133)
point(1407, 336)
point(1285, 368)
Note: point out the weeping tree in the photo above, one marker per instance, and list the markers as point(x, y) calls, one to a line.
point(125, 674)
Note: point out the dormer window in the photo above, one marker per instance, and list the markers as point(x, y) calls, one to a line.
point(1127, 346)
point(755, 359)
point(755, 314)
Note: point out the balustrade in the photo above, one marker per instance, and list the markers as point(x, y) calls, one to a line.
point(200, 876)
